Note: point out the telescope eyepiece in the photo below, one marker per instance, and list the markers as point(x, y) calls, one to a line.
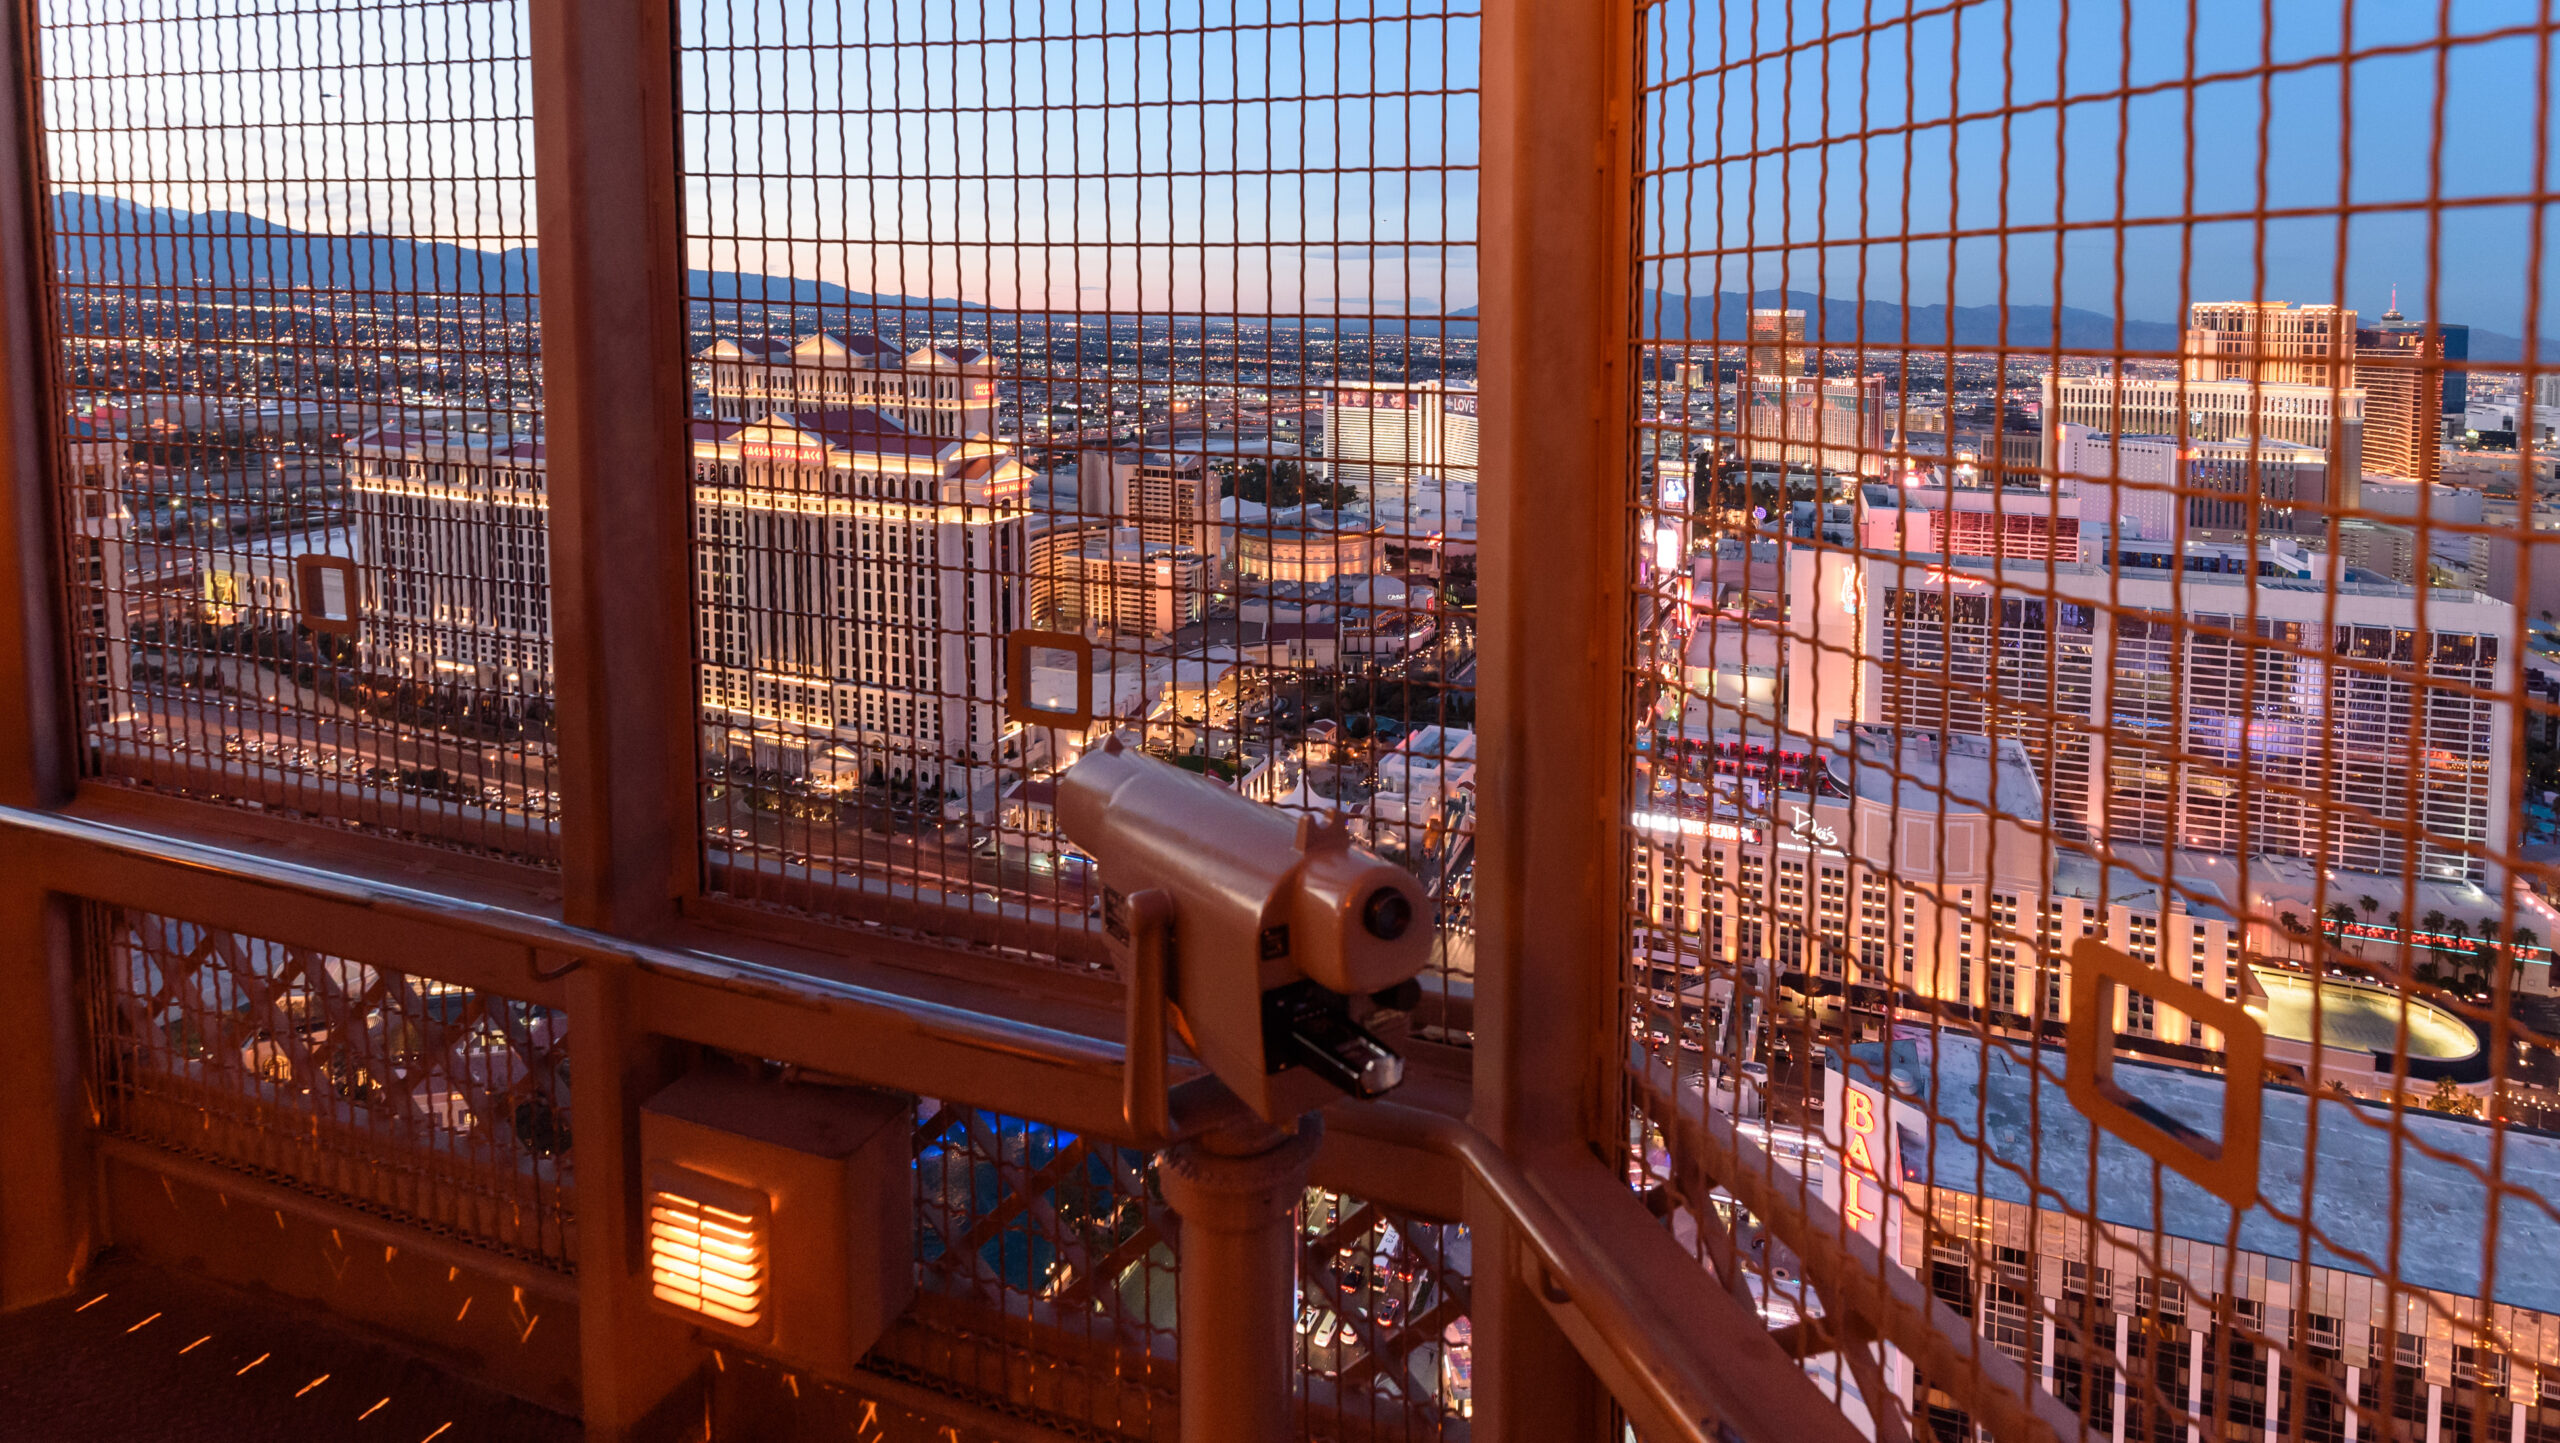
point(1387, 913)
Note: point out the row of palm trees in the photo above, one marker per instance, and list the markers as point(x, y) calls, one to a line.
point(2449, 937)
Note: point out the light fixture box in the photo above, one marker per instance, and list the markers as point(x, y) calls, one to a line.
point(832, 1170)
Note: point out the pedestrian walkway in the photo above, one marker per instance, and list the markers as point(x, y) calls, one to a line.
point(139, 1354)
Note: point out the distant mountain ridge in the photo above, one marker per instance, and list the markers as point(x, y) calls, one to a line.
point(106, 240)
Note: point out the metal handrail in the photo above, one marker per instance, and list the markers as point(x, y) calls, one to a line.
point(1855, 1275)
point(1683, 1357)
point(536, 930)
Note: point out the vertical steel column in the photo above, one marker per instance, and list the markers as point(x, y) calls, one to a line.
point(46, 1199)
point(37, 756)
point(1235, 1192)
point(638, 1369)
point(615, 447)
point(615, 398)
point(1555, 233)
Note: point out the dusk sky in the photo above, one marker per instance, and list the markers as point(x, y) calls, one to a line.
point(1234, 155)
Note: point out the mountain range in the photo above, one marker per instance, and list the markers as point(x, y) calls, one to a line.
point(106, 240)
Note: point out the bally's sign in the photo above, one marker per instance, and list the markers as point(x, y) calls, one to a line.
point(1863, 1159)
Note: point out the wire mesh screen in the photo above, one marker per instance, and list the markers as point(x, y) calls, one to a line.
point(303, 505)
point(1045, 1265)
point(2092, 804)
point(1048, 1265)
point(1385, 1335)
point(422, 1101)
point(1139, 337)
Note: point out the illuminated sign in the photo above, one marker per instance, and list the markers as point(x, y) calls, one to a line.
point(1863, 1156)
point(1458, 405)
point(1941, 576)
point(1853, 589)
point(1666, 548)
point(1665, 824)
point(796, 455)
point(1807, 829)
point(1861, 1160)
point(983, 389)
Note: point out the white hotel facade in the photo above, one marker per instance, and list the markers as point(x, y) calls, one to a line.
point(2204, 710)
point(453, 529)
point(1388, 434)
point(855, 582)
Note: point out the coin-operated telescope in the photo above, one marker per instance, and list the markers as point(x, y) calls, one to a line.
point(1257, 929)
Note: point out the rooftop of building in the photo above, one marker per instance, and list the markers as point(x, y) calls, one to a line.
point(1291, 522)
point(2029, 576)
point(417, 442)
point(855, 431)
point(1923, 771)
point(2284, 389)
point(830, 344)
point(2007, 1131)
point(1127, 543)
point(1225, 631)
point(2134, 882)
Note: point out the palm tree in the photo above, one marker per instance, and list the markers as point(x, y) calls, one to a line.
point(2342, 915)
point(2367, 905)
point(2433, 921)
point(2525, 937)
point(2289, 923)
point(2394, 919)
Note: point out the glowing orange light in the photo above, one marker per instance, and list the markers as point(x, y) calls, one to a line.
point(706, 1259)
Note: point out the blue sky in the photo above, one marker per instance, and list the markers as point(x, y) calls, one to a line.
point(1240, 154)
point(1842, 140)
point(1325, 164)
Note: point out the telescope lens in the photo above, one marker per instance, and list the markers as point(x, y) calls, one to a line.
point(1387, 913)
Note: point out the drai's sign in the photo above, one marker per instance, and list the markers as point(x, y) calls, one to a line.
point(1806, 829)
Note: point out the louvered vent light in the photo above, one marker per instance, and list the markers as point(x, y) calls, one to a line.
point(707, 1245)
point(780, 1215)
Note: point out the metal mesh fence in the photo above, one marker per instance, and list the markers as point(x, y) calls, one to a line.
point(1140, 340)
point(1048, 1266)
point(2092, 799)
point(302, 503)
point(432, 1104)
point(1386, 1336)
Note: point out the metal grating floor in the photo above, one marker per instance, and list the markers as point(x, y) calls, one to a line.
point(139, 1353)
